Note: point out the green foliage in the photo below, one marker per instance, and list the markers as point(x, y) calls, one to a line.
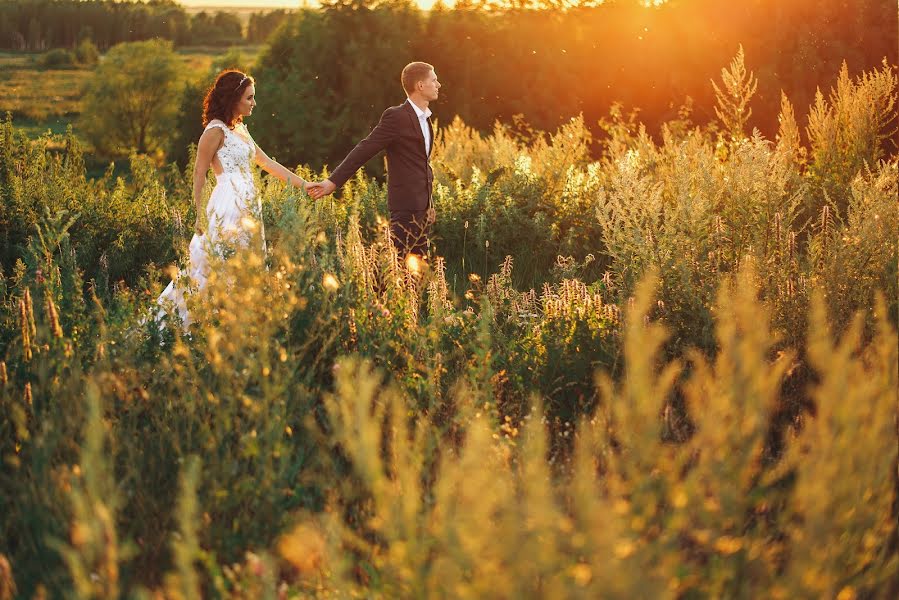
point(43, 24)
point(496, 192)
point(130, 102)
point(261, 25)
point(86, 53)
point(221, 28)
point(185, 546)
point(634, 516)
point(93, 557)
point(57, 59)
point(856, 410)
point(116, 228)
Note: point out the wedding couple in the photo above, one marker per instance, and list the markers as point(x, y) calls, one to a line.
point(233, 212)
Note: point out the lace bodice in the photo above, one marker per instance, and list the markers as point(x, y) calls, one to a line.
point(237, 151)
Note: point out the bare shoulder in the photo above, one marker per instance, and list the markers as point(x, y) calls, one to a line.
point(212, 135)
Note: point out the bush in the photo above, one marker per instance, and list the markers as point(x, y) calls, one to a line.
point(57, 58)
point(131, 100)
point(86, 53)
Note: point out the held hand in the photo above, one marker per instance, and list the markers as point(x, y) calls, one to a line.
point(320, 189)
point(198, 227)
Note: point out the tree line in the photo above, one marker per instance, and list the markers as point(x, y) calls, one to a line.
point(326, 74)
point(37, 25)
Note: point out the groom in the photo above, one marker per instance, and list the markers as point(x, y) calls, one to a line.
point(405, 132)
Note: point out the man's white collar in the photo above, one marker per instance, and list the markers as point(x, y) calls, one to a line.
point(421, 113)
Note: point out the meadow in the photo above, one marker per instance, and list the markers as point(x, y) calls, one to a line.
point(43, 98)
point(668, 371)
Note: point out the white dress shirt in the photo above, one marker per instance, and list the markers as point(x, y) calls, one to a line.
point(423, 122)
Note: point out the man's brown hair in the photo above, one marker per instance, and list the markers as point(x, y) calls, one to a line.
point(413, 73)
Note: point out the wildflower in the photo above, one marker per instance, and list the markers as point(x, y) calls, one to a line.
point(26, 336)
point(847, 593)
point(53, 315)
point(7, 583)
point(304, 548)
point(624, 548)
point(329, 282)
point(727, 544)
point(255, 564)
point(581, 574)
point(79, 534)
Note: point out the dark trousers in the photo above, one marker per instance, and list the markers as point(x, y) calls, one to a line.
point(409, 231)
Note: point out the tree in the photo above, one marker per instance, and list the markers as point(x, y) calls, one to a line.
point(131, 100)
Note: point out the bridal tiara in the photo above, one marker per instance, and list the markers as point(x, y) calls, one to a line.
point(245, 77)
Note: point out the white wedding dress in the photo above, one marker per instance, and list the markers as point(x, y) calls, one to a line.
point(234, 214)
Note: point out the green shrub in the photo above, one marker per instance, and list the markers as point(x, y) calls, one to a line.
point(86, 53)
point(57, 58)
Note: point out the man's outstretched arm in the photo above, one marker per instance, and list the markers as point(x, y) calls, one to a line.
point(379, 138)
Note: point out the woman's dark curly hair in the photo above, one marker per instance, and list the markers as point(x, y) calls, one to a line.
point(224, 95)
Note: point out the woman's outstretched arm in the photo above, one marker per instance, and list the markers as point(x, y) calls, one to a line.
point(269, 165)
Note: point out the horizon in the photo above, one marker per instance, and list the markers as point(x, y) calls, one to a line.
point(257, 4)
point(275, 4)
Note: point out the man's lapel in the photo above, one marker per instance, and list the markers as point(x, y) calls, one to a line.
point(413, 118)
point(431, 132)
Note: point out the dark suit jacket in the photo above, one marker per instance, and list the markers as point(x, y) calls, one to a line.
point(409, 175)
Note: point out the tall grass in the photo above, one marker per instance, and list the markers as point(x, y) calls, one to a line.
point(696, 400)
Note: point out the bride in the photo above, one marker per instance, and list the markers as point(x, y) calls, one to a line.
point(234, 207)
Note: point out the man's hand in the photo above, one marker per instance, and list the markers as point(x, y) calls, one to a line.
point(320, 189)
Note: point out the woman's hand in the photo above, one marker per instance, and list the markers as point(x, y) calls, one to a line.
point(199, 229)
